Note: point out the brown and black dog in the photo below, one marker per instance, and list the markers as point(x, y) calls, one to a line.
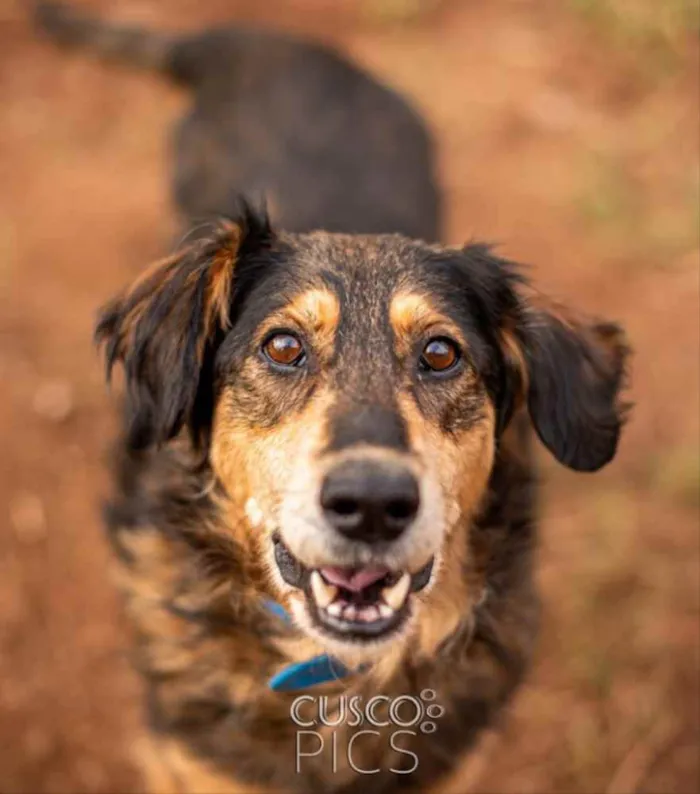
point(326, 464)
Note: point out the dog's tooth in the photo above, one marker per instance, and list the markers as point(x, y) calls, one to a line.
point(385, 611)
point(396, 594)
point(350, 612)
point(324, 593)
point(335, 609)
point(369, 614)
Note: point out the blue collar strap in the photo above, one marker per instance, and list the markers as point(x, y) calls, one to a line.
point(301, 675)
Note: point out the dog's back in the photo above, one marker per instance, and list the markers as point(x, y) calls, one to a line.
point(282, 118)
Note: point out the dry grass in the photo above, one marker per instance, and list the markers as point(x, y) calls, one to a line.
point(652, 31)
point(397, 12)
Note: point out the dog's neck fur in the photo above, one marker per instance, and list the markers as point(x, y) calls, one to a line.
point(207, 647)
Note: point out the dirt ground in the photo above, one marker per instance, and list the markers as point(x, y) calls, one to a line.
point(568, 134)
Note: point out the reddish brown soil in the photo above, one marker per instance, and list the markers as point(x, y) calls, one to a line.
point(571, 142)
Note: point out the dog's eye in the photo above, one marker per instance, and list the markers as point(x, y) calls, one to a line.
point(284, 349)
point(439, 355)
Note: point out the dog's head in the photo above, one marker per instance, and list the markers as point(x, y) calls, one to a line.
point(349, 393)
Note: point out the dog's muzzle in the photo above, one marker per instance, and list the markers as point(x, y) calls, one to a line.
point(367, 504)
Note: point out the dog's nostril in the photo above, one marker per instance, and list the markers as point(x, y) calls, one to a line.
point(343, 507)
point(401, 510)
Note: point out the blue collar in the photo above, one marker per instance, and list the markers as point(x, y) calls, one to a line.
point(301, 675)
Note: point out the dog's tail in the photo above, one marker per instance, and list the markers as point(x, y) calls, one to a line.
point(129, 45)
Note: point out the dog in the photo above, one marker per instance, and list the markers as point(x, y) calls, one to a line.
point(340, 425)
point(323, 517)
point(279, 117)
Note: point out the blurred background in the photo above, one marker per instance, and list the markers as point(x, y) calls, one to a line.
point(568, 133)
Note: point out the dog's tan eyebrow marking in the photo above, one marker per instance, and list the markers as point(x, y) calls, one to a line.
point(317, 311)
point(412, 314)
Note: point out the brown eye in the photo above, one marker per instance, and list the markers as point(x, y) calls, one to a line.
point(439, 355)
point(284, 349)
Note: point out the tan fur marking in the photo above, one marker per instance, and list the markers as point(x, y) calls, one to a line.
point(412, 315)
point(221, 277)
point(514, 355)
point(251, 462)
point(317, 308)
point(219, 292)
point(316, 312)
point(461, 465)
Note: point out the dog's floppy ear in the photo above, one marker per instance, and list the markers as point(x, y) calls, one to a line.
point(571, 374)
point(166, 328)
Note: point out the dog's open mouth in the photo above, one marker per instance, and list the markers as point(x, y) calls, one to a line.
point(361, 602)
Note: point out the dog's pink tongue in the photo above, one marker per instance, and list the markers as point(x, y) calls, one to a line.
point(353, 579)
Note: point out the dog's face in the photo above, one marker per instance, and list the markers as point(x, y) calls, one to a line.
point(350, 393)
point(353, 426)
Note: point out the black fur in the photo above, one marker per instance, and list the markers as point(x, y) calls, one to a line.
point(575, 378)
point(278, 116)
point(574, 370)
point(157, 332)
point(375, 424)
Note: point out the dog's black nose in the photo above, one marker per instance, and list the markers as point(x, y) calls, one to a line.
point(370, 501)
